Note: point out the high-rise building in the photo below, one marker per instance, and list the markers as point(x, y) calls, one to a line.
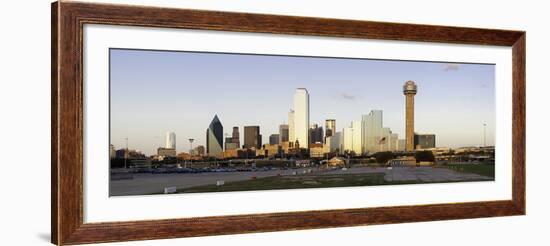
point(230, 145)
point(393, 144)
point(283, 133)
point(214, 138)
point(375, 136)
point(409, 89)
point(274, 139)
point(372, 131)
point(352, 138)
point(424, 141)
point(330, 127)
point(333, 144)
point(347, 139)
point(357, 137)
point(385, 140)
point(235, 136)
point(301, 117)
point(315, 134)
point(252, 137)
point(291, 129)
point(336, 142)
point(170, 140)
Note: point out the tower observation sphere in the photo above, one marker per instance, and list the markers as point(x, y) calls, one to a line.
point(409, 88)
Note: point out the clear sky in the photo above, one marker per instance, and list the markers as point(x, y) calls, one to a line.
point(153, 92)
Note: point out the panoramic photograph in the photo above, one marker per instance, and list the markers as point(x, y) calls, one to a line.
point(195, 122)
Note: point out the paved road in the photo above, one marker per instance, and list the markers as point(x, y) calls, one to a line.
point(145, 183)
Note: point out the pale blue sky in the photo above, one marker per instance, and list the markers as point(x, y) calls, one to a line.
point(157, 91)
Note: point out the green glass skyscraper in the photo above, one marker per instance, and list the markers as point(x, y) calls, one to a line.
point(214, 138)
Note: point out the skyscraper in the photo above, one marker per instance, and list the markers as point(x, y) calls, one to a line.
point(371, 125)
point(214, 138)
point(330, 127)
point(384, 141)
point(229, 145)
point(347, 139)
point(375, 136)
point(291, 129)
point(252, 137)
point(352, 138)
point(315, 134)
point(334, 142)
point(357, 142)
point(409, 89)
point(301, 117)
point(283, 133)
point(274, 139)
point(393, 144)
point(170, 140)
point(235, 136)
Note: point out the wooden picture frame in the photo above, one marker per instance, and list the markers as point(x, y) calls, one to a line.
point(68, 19)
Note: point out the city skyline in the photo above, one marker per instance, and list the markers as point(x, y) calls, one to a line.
point(266, 100)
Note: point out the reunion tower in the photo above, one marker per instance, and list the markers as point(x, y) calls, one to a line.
point(409, 89)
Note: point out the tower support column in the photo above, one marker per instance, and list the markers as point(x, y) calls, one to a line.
point(409, 89)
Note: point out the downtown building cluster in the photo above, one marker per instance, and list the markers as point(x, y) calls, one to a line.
point(300, 137)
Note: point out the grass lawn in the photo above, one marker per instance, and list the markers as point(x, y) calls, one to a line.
point(487, 170)
point(327, 181)
point(303, 182)
point(293, 182)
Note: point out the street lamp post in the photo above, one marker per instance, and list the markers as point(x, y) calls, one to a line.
point(191, 145)
point(126, 153)
point(190, 150)
point(352, 144)
point(484, 135)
